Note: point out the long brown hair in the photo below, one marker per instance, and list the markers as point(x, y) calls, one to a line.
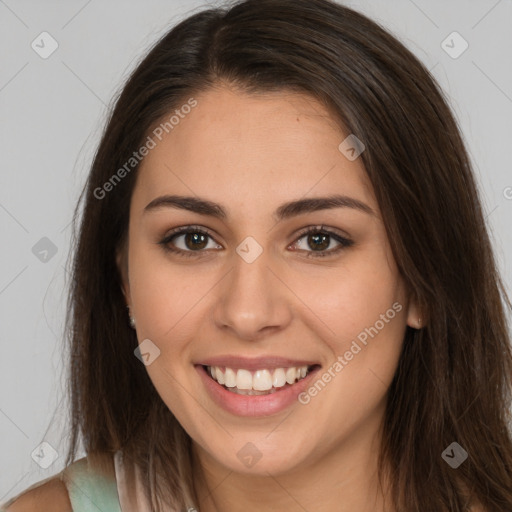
point(454, 379)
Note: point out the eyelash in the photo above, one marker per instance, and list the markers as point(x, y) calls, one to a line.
point(344, 242)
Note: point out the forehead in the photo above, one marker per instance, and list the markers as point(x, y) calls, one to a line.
point(238, 146)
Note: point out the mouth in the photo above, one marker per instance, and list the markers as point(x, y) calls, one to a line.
point(265, 381)
point(259, 387)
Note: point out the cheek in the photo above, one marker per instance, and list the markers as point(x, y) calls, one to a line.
point(163, 298)
point(370, 329)
point(354, 297)
point(366, 320)
point(161, 292)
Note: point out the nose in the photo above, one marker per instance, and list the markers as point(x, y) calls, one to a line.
point(253, 300)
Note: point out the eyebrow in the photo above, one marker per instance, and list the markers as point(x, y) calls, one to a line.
point(285, 211)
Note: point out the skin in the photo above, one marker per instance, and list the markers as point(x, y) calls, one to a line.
point(251, 153)
point(51, 495)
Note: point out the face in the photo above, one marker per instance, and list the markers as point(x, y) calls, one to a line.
point(299, 310)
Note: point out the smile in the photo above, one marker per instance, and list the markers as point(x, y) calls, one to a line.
point(259, 382)
point(255, 387)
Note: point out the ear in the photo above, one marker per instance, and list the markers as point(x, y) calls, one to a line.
point(122, 265)
point(416, 316)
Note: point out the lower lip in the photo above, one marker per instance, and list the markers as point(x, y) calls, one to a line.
point(255, 405)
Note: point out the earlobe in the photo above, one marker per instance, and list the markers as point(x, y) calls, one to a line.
point(415, 317)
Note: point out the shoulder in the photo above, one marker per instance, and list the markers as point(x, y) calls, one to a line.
point(86, 479)
point(51, 495)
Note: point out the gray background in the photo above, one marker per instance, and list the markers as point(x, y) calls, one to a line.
point(52, 112)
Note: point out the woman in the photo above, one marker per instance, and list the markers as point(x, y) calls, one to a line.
point(283, 201)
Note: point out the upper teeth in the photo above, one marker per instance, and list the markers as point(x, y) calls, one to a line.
point(260, 380)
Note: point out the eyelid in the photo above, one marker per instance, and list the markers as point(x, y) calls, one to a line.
point(189, 228)
point(321, 228)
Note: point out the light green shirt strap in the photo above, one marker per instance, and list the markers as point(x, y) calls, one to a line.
point(90, 491)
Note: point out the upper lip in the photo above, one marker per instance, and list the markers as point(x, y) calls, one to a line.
point(256, 363)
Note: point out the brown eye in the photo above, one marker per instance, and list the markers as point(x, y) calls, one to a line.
point(189, 241)
point(319, 240)
point(195, 241)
